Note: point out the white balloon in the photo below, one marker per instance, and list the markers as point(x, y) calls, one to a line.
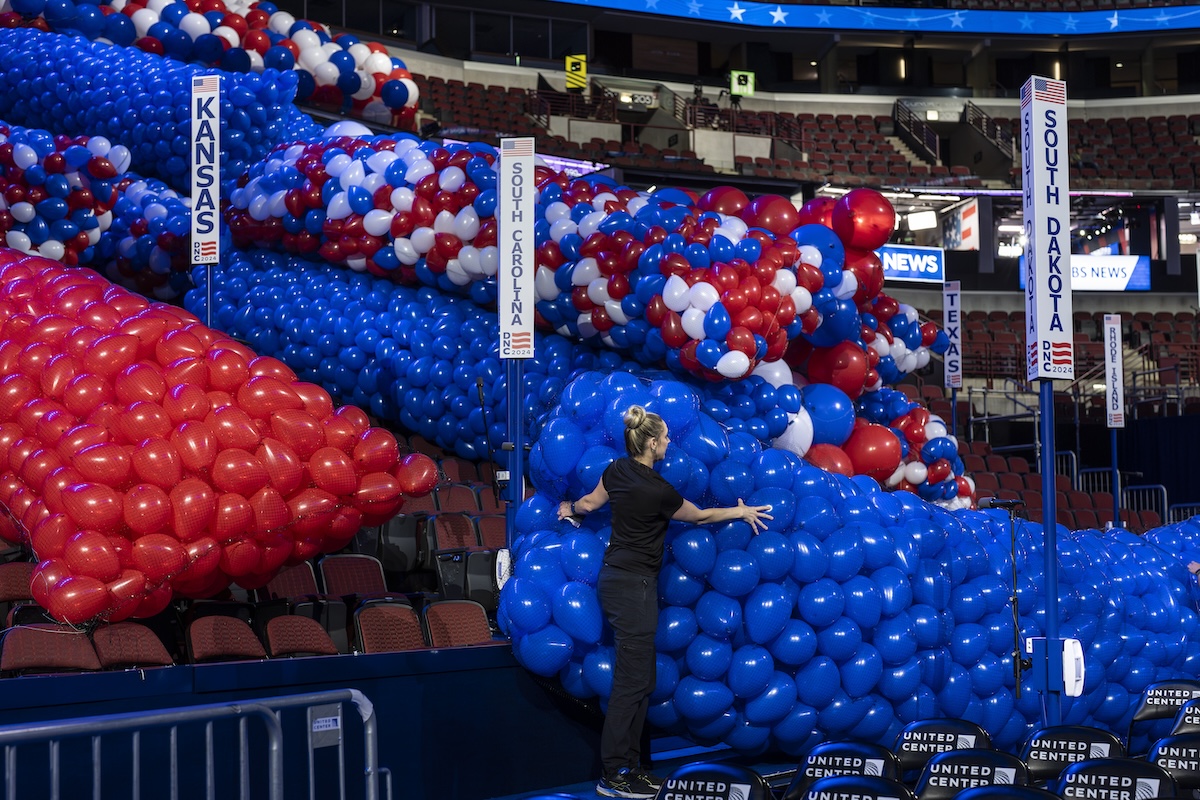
point(737, 226)
point(281, 22)
point(586, 329)
point(543, 283)
point(414, 94)
point(379, 161)
point(597, 291)
point(357, 263)
point(728, 234)
point(455, 272)
point(466, 223)
point(54, 250)
point(17, 241)
point(24, 156)
point(360, 52)
point(353, 174)
point(256, 61)
point(849, 285)
point(23, 211)
point(339, 206)
point(142, 19)
point(880, 345)
point(419, 170)
point(556, 211)
point(915, 472)
point(562, 228)
point(377, 222)
point(591, 223)
point(489, 259)
point(312, 58)
point(784, 282)
point(734, 364)
point(970, 482)
point(934, 430)
point(228, 34)
point(896, 476)
point(586, 270)
point(194, 25)
point(675, 293)
point(443, 222)
point(634, 205)
point(120, 157)
point(306, 39)
point(599, 200)
point(922, 358)
point(325, 74)
point(406, 252)
point(798, 435)
point(422, 239)
point(810, 255)
point(909, 312)
point(703, 295)
point(366, 86)
point(468, 256)
point(258, 208)
point(99, 145)
point(378, 64)
point(331, 47)
point(452, 179)
point(802, 299)
point(693, 325)
point(776, 373)
point(616, 313)
point(376, 111)
point(402, 199)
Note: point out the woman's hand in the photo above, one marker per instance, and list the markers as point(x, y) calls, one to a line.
point(755, 515)
point(564, 510)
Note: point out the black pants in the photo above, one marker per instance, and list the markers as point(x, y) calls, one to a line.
point(630, 603)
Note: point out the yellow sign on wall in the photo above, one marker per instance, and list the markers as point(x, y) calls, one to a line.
point(577, 72)
point(741, 83)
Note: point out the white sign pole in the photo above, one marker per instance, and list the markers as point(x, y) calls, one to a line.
point(1050, 350)
point(206, 178)
point(1114, 401)
point(515, 305)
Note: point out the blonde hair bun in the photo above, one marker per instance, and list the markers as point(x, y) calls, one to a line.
point(634, 417)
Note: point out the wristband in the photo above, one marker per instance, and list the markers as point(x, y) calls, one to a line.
point(573, 509)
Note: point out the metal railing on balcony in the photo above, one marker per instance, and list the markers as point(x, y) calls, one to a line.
point(1002, 137)
point(916, 133)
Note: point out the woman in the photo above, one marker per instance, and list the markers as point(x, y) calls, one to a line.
point(643, 504)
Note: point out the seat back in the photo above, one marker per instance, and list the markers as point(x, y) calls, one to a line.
point(389, 628)
point(949, 772)
point(863, 787)
point(1121, 779)
point(291, 636)
point(1180, 757)
point(454, 531)
point(457, 497)
point(1162, 700)
point(1048, 750)
point(352, 574)
point(918, 741)
point(842, 758)
point(14, 581)
point(44, 648)
point(296, 581)
point(129, 645)
point(998, 792)
point(220, 638)
point(456, 623)
point(492, 531)
point(1187, 720)
point(700, 779)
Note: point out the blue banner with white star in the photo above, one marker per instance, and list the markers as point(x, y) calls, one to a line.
point(926, 20)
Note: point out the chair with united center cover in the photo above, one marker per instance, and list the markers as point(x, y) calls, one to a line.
point(921, 739)
point(842, 758)
point(1046, 751)
point(949, 772)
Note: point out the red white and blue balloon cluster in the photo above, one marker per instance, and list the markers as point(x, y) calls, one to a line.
point(239, 36)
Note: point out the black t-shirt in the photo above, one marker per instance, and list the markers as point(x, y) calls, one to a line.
point(642, 505)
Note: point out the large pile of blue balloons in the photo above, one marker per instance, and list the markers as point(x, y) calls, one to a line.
point(857, 611)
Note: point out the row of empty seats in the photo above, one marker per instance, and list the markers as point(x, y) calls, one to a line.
point(1057, 5)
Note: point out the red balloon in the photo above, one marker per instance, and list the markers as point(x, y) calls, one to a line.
point(263, 394)
point(340, 433)
point(724, 200)
point(15, 392)
point(376, 451)
point(204, 558)
point(227, 369)
point(147, 509)
point(77, 599)
point(874, 450)
point(49, 537)
point(863, 219)
point(140, 382)
point(938, 471)
point(238, 471)
point(110, 354)
point(742, 340)
point(378, 493)
point(818, 211)
point(192, 371)
point(313, 511)
point(106, 463)
point(85, 392)
point(89, 553)
point(301, 431)
point(196, 444)
point(234, 428)
point(233, 519)
point(831, 458)
point(143, 420)
point(157, 462)
point(46, 575)
point(844, 366)
point(417, 474)
point(57, 373)
point(154, 603)
point(93, 506)
point(183, 403)
point(868, 270)
point(283, 466)
point(178, 344)
point(159, 556)
point(271, 514)
point(333, 471)
point(773, 212)
point(241, 558)
point(271, 367)
point(194, 505)
point(56, 481)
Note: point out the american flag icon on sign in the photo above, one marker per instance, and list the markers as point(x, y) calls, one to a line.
point(1050, 91)
point(208, 249)
point(521, 341)
point(208, 83)
point(1060, 353)
point(516, 147)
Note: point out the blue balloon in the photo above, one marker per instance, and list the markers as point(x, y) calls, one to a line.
point(708, 658)
point(677, 627)
point(546, 651)
point(821, 602)
point(832, 413)
point(695, 551)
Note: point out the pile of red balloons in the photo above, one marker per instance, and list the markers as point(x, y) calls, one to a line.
point(143, 455)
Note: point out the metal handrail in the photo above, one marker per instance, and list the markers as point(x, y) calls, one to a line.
point(922, 137)
point(979, 119)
